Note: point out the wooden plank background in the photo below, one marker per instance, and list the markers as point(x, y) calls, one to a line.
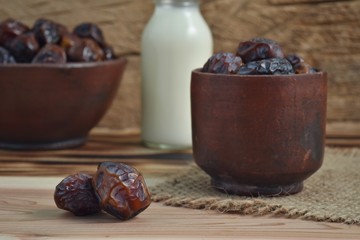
point(325, 32)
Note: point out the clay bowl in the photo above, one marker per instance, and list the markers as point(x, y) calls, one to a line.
point(53, 106)
point(258, 135)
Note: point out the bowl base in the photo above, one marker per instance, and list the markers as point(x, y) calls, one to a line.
point(69, 143)
point(257, 191)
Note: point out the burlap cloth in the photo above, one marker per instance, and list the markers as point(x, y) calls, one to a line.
point(332, 194)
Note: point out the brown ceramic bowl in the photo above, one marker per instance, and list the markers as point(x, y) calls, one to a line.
point(258, 135)
point(52, 106)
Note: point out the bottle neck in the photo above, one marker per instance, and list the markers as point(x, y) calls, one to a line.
point(177, 3)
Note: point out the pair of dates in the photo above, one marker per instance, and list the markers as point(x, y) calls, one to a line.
point(258, 56)
point(116, 188)
point(51, 42)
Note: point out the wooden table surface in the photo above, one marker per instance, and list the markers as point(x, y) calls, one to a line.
point(27, 209)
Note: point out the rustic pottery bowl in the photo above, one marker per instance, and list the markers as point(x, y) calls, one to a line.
point(54, 106)
point(258, 135)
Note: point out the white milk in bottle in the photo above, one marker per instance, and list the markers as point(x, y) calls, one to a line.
point(175, 41)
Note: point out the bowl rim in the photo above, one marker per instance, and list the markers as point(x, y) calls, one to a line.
point(301, 75)
point(69, 65)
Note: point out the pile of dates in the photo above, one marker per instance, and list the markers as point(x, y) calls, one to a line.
point(116, 188)
point(258, 56)
point(51, 42)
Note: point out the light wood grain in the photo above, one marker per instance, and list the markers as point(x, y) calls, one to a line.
point(345, 133)
point(27, 211)
point(345, 129)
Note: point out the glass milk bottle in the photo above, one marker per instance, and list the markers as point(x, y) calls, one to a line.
point(175, 41)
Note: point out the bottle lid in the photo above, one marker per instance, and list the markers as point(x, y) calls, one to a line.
point(177, 2)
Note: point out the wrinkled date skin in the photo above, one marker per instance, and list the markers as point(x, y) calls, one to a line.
point(299, 65)
point(226, 63)
point(50, 53)
point(69, 40)
point(109, 53)
point(258, 49)
point(5, 56)
point(90, 30)
point(46, 31)
point(10, 29)
point(87, 51)
point(272, 66)
point(85, 43)
point(76, 194)
point(121, 190)
point(258, 56)
point(24, 47)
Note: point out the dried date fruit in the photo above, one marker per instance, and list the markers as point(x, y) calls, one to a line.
point(5, 56)
point(24, 47)
point(50, 53)
point(85, 44)
point(258, 56)
point(10, 29)
point(258, 49)
point(69, 40)
point(121, 190)
point(62, 29)
point(90, 30)
point(109, 53)
point(87, 51)
point(226, 63)
point(272, 66)
point(299, 64)
point(46, 31)
point(76, 194)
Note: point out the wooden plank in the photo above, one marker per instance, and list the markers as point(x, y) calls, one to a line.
point(100, 145)
point(148, 168)
point(343, 134)
point(103, 145)
point(343, 142)
point(111, 145)
point(345, 129)
point(27, 211)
